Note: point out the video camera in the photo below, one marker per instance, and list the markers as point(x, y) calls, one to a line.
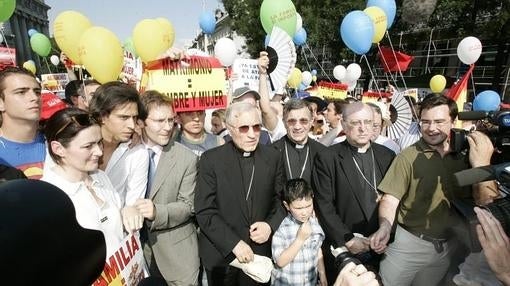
point(499, 208)
point(498, 130)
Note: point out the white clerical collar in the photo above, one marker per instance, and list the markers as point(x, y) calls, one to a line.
point(246, 154)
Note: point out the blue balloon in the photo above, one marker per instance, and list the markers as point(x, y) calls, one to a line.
point(389, 7)
point(357, 31)
point(314, 72)
point(302, 87)
point(32, 32)
point(207, 22)
point(300, 37)
point(487, 101)
point(266, 40)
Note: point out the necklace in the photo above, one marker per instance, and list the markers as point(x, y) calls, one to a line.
point(304, 164)
point(374, 185)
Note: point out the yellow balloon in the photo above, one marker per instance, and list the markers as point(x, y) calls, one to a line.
point(437, 83)
point(29, 65)
point(379, 20)
point(169, 28)
point(314, 78)
point(102, 54)
point(68, 29)
point(295, 78)
point(150, 39)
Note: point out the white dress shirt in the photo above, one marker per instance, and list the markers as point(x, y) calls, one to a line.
point(89, 214)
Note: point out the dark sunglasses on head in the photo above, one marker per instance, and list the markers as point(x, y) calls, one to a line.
point(83, 120)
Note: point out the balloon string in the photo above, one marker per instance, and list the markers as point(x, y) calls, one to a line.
point(387, 66)
point(7, 45)
point(428, 52)
point(47, 65)
point(473, 80)
point(304, 55)
point(506, 82)
point(317, 61)
point(395, 57)
point(372, 74)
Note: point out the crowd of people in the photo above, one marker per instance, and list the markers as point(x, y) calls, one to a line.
point(344, 207)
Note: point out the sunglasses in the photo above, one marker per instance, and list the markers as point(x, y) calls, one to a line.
point(245, 128)
point(82, 120)
point(293, 121)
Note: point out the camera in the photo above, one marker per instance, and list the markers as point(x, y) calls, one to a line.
point(496, 124)
point(343, 258)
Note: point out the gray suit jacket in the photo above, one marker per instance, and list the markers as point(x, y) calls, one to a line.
point(172, 236)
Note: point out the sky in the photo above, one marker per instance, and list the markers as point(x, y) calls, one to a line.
point(121, 16)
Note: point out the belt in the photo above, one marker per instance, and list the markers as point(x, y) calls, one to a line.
point(437, 242)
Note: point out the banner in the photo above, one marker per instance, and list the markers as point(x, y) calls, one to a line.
point(132, 69)
point(458, 92)
point(7, 57)
point(194, 83)
point(246, 74)
point(125, 266)
point(332, 91)
point(55, 82)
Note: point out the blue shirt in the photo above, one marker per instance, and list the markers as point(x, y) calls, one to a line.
point(27, 157)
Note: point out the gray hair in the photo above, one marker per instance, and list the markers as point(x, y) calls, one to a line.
point(354, 107)
point(235, 110)
point(294, 104)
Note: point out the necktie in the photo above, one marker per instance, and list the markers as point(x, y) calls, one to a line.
point(151, 173)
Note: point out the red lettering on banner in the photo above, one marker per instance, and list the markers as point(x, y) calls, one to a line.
point(134, 245)
point(125, 259)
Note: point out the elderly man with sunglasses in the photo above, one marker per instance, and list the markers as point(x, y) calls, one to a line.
point(297, 149)
point(237, 201)
point(345, 179)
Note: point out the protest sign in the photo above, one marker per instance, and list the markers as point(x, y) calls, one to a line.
point(332, 91)
point(55, 82)
point(125, 266)
point(194, 83)
point(7, 57)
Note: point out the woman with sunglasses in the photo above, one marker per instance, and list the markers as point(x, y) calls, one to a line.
point(75, 145)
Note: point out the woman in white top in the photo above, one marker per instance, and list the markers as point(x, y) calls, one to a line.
point(75, 145)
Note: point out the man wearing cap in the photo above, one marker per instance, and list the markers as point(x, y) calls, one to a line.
point(298, 151)
point(237, 201)
point(22, 146)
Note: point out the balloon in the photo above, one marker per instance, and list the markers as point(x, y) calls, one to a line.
point(32, 32)
point(487, 101)
point(306, 78)
point(437, 83)
point(281, 13)
point(351, 85)
point(314, 72)
point(302, 87)
point(469, 50)
point(389, 7)
point(353, 72)
point(266, 40)
point(6, 9)
point(357, 32)
point(54, 60)
point(207, 22)
point(102, 54)
point(225, 51)
point(68, 28)
point(300, 37)
point(314, 78)
point(129, 46)
point(295, 78)
point(169, 28)
point(30, 65)
point(379, 19)
point(150, 39)
point(339, 72)
point(40, 44)
point(299, 22)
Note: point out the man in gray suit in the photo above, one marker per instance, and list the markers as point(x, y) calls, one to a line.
point(170, 236)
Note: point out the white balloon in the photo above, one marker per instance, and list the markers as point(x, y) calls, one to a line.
point(339, 72)
point(225, 51)
point(54, 60)
point(351, 85)
point(299, 22)
point(353, 72)
point(306, 78)
point(469, 50)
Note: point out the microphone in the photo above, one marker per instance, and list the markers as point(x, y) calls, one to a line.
point(481, 174)
point(473, 115)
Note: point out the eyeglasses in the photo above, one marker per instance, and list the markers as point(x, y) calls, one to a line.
point(294, 121)
point(245, 128)
point(428, 123)
point(82, 119)
point(357, 123)
point(169, 121)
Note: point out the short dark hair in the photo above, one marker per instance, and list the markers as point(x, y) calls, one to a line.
point(83, 84)
point(12, 71)
point(294, 104)
point(339, 105)
point(152, 98)
point(432, 100)
point(296, 189)
point(64, 125)
point(220, 113)
point(71, 90)
point(111, 95)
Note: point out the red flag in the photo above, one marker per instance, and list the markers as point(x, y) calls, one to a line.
point(460, 86)
point(390, 64)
